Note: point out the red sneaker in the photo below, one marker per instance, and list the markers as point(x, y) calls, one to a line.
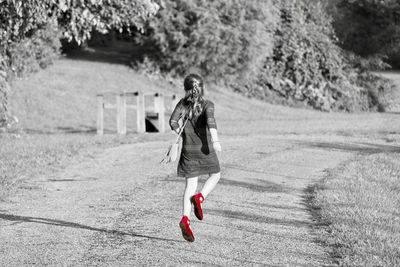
point(197, 200)
point(186, 230)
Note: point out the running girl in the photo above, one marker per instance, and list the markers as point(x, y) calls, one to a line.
point(199, 145)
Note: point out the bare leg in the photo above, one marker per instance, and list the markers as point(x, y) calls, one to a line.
point(190, 190)
point(210, 184)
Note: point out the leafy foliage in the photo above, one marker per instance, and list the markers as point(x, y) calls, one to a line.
point(36, 52)
point(30, 31)
point(307, 65)
point(19, 19)
point(368, 27)
point(264, 49)
point(219, 39)
point(78, 18)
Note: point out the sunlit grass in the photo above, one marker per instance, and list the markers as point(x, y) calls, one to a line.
point(62, 98)
point(360, 202)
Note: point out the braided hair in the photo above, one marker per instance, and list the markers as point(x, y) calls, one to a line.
point(194, 88)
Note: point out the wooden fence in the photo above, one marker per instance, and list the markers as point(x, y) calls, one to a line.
point(121, 105)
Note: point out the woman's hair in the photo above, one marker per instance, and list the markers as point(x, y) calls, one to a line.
point(194, 100)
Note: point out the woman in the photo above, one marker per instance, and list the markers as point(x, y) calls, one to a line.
point(199, 145)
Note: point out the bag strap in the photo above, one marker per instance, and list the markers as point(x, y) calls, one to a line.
point(181, 130)
point(177, 139)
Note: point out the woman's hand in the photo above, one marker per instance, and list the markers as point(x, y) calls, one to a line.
point(217, 146)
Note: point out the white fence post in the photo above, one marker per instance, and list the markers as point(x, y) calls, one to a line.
point(100, 114)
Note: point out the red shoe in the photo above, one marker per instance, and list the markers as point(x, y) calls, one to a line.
point(197, 200)
point(186, 230)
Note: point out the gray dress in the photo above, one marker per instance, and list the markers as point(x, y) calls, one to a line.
point(198, 156)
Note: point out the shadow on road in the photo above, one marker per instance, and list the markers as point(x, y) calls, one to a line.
point(64, 130)
point(26, 219)
point(367, 148)
point(229, 258)
point(259, 186)
point(243, 216)
point(250, 170)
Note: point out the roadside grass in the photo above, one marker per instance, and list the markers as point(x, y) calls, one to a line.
point(358, 205)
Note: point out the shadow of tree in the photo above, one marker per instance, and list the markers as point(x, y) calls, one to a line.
point(360, 147)
point(250, 170)
point(105, 55)
point(259, 185)
point(220, 256)
point(243, 216)
point(63, 130)
point(60, 223)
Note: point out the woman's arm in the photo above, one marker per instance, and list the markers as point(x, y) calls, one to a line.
point(212, 125)
point(175, 116)
point(215, 140)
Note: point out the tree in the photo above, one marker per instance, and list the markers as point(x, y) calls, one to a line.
point(37, 24)
point(78, 18)
point(220, 39)
point(368, 27)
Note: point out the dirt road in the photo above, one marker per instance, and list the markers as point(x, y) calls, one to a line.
point(122, 208)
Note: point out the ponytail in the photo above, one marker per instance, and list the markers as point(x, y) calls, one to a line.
point(194, 99)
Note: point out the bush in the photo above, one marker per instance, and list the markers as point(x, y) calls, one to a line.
point(18, 20)
point(263, 49)
point(367, 27)
point(307, 65)
point(35, 52)
point(28, 55)
point(77, 19)
point(221, 40)
point(375, 87)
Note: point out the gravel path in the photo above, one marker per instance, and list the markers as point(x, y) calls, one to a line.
point(122, 208)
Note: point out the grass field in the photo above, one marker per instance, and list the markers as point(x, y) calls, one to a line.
point(359, 204)
point(62, 98)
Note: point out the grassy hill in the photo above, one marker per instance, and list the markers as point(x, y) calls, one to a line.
point(61, 99)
